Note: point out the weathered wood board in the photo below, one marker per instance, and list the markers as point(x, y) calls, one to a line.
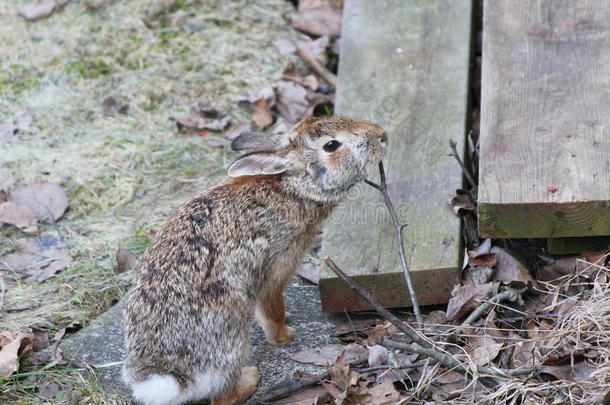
point(404, 65)
point(545, 119)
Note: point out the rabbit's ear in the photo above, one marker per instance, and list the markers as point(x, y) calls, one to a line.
point(256, 141)
point(258, 163)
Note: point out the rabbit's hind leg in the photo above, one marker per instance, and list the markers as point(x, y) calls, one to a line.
point(245, 386)
point(271, 314)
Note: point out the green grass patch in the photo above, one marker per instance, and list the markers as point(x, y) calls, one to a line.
point(89, 68)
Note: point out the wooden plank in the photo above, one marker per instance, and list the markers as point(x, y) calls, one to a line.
point(562, 246)
point(545, 117)
point(404, 64)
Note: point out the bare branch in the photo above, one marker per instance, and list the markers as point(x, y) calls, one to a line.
point(310, 60)
point(282, 391)
point(422, 345)
point(402, 326)
point(375, 185)
point(466, 172)
point(449, 361)
point(398, 227)
point(511, 294)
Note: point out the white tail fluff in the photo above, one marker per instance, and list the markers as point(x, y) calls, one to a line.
point(164, 389)
point(157, 390)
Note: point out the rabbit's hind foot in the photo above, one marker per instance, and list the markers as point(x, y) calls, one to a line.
point(242, 390)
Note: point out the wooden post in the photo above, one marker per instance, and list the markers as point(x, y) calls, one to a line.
point(404, 65)
point(545, 114)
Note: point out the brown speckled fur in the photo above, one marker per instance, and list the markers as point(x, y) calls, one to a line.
point(227, 254)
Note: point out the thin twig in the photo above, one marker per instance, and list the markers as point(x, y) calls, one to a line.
point(449, 361)
point(389, 367)
point(466, 172)
point(422, 345)
point(398, 227)
point(304, 53)
point(509, 295)
point(276, 392)
point(402, 326)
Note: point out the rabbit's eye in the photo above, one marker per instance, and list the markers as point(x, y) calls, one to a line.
point(331, 146)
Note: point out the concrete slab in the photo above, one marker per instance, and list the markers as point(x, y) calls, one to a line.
point(101, 344)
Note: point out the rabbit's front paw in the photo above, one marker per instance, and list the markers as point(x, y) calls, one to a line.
point(282, 336)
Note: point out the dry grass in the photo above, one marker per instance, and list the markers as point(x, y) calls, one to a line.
point(582, 336)
point(125, 174)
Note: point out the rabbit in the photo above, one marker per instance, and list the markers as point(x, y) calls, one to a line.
point(226, 256)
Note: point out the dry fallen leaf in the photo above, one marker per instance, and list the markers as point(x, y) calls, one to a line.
point(483, 355)
point(570, 372)
point(292, 103)
point(37, 259)
point(261, 113)
point(18, 261)
point(567, 306)
point(339, 379)
point(305, 5)
point(597, 259)
point(308, 81)
point(48, 389)
point(383, 394)
point(483, 347)
point(22, 217)
point(559, 267)
point(322, 20)
point(201, 116)
point(267, 93)
point(435, 319)
point(47, 201)
point(508, 268)
point(446, 383)
point(525, 353)
point(357, 324)
point(491, 329)
point(48, 271)
point(236, 130)
point(350, 388)
point(125, 260)
point(305, 396)
point(465, 298)
point(377, 356)
point(310, 271)
point(478, 275)
point(111, 107)
point(325, 355)
point(316, 49)
point(483, 248)
point(487, 260)
point(13, 345)
point(21, 305)
point(41, 339)
point(40, 9)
